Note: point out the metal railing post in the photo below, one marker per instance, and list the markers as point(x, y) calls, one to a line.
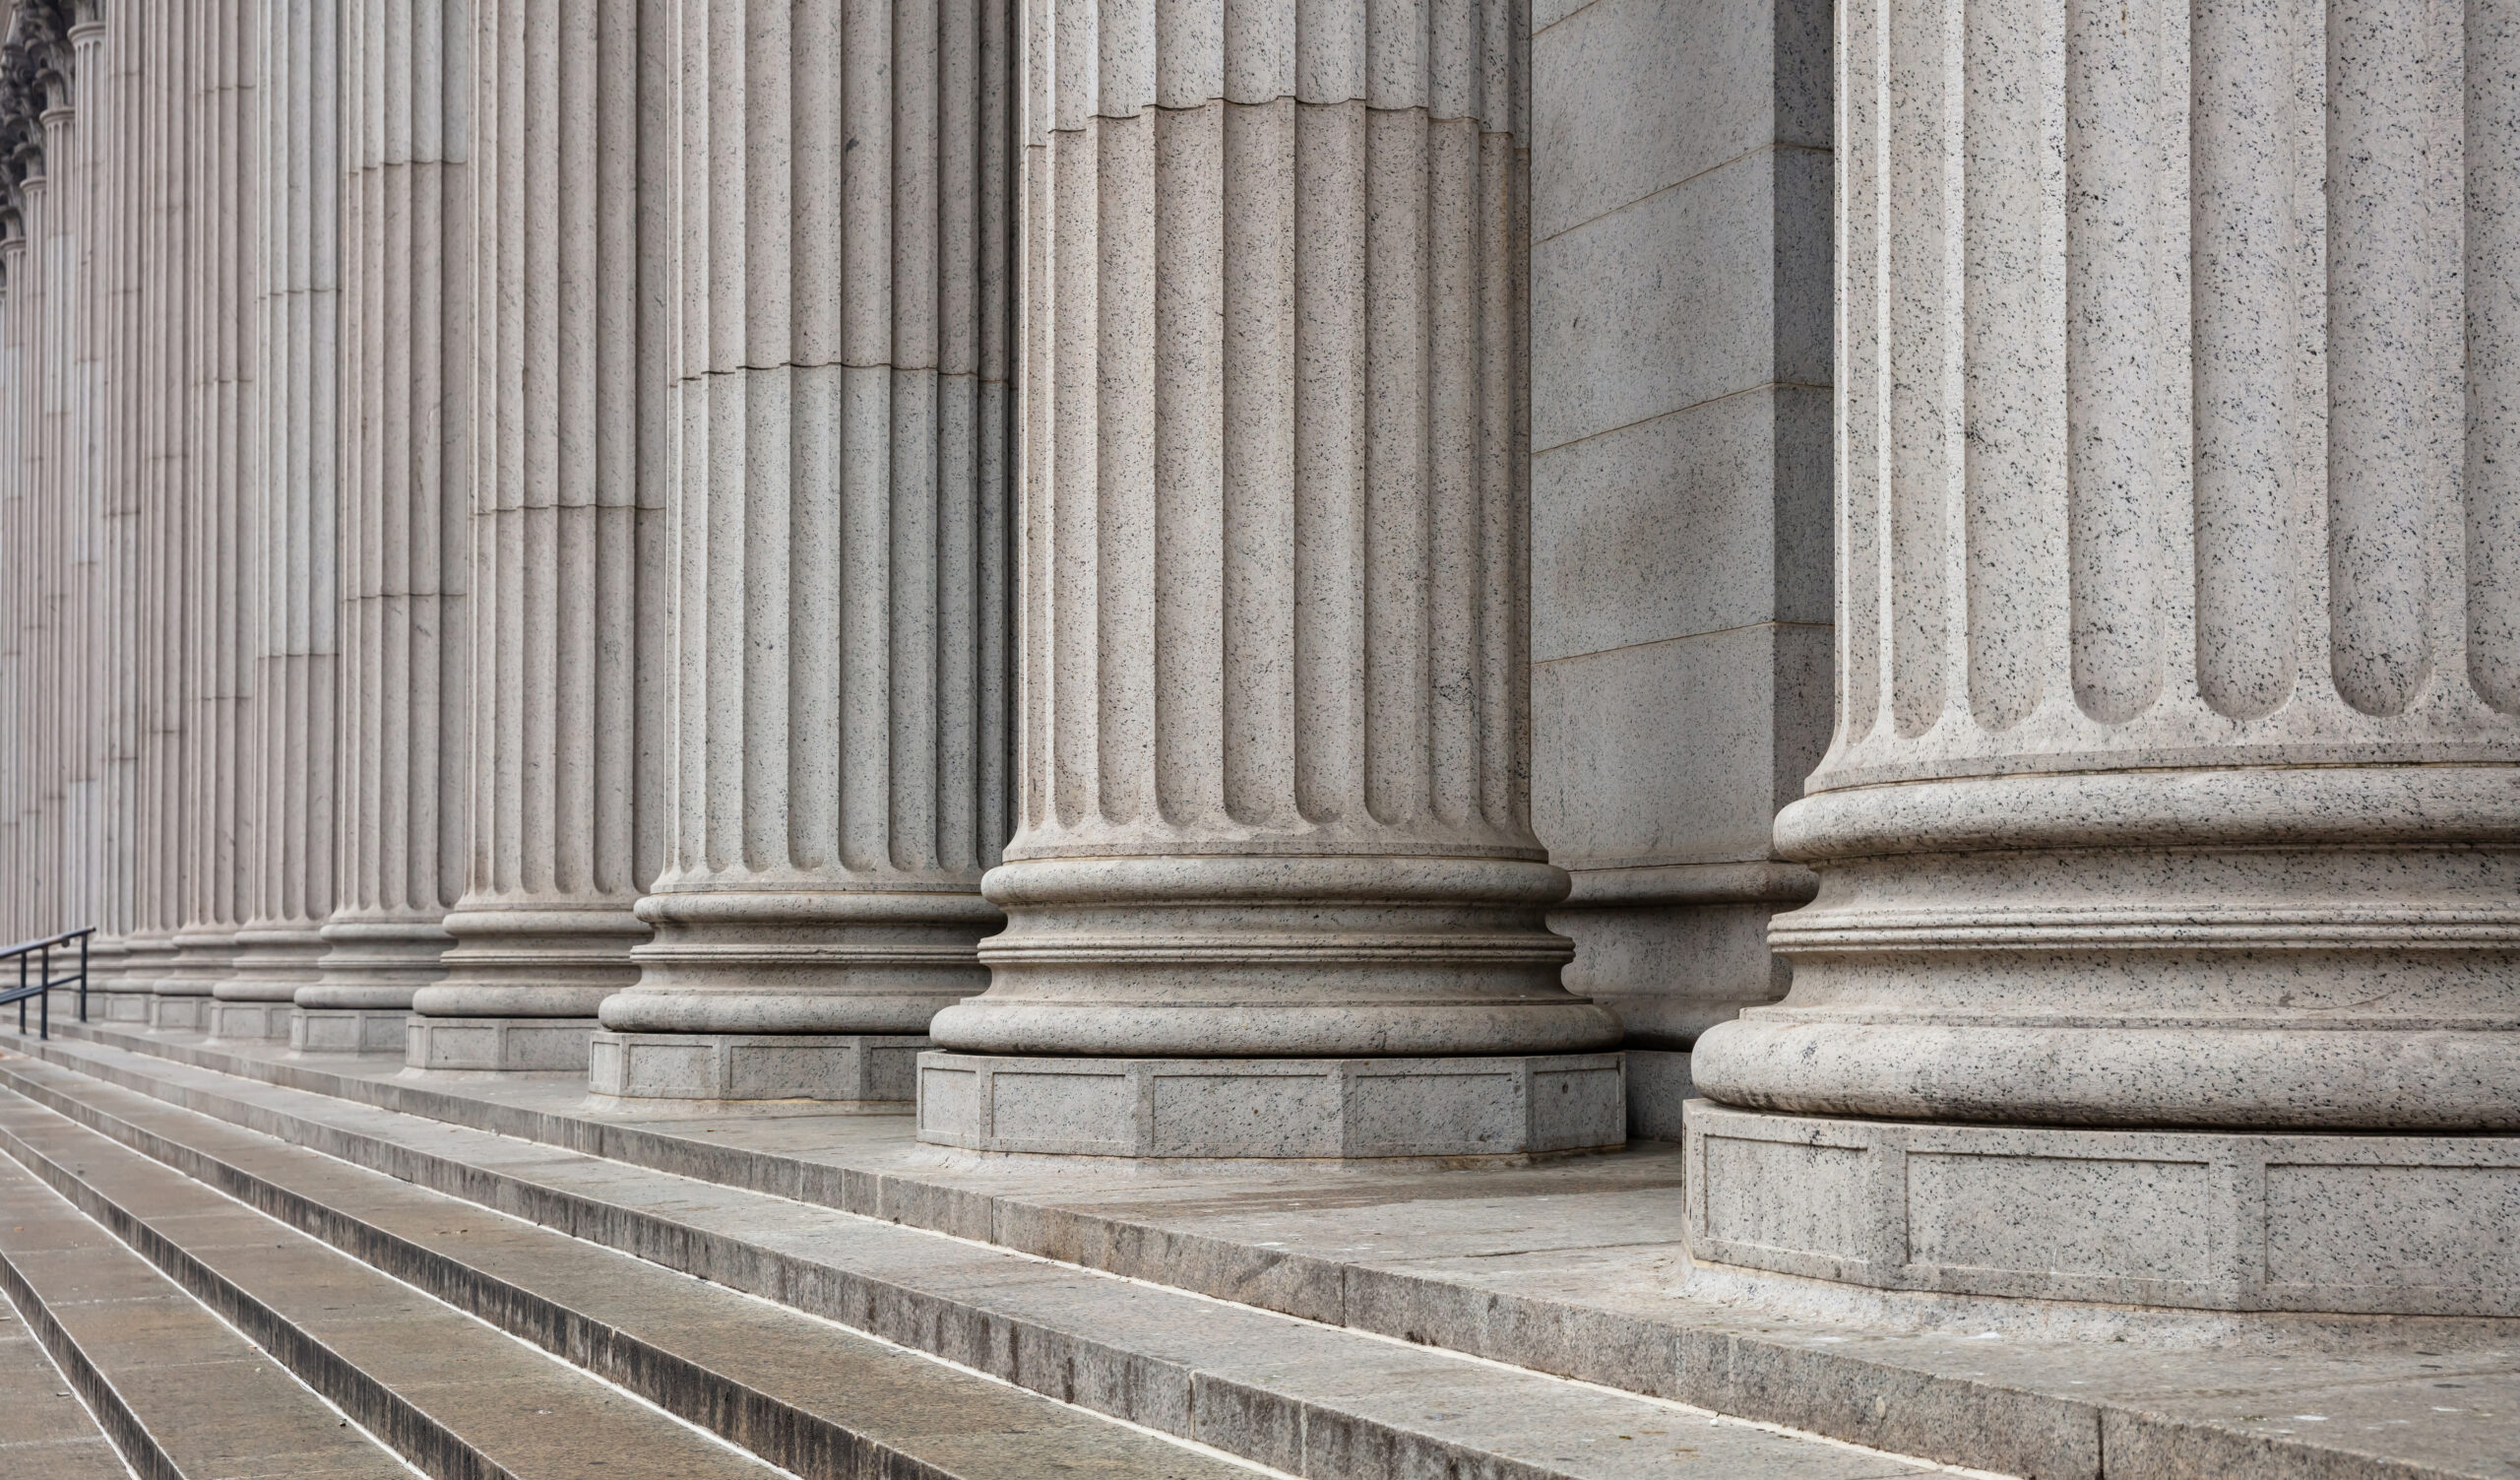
point(21, 1002)
point(43, 1005)
point(83, 976)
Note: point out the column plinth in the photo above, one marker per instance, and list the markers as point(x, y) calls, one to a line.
point(1274, 734)
point(2168, 844)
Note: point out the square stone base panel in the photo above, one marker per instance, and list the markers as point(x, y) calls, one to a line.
point(1272, 1106)
point(250, 1021)
point(2362, 1224)
point(120, 1006)
point(180, 1014)
point(348, 1030)
point(516, 1045)
point(851, 1067)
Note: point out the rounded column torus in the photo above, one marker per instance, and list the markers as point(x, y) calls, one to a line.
point(218, 635)
point(2174, 783)
point(836, 759)
point(406, 431)
point(295, 606)
point(1275, 710)
point(570, 534)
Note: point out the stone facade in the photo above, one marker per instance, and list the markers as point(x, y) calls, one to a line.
point(1204, 581)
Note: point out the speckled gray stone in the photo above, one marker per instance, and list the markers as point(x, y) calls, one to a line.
point(856, 1067)
point(1273, 1108)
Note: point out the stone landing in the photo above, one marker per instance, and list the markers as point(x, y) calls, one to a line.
point(1272, 1107)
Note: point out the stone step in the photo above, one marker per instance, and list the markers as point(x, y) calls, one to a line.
point(812, 1399)
point(180, 1392)
point(1574, 1268)
point(46, 1432)
point(1273, 1391)
point(449, 1395)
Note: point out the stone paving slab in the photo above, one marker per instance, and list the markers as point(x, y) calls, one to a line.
point(1275, 1390)
point(1593, 1284)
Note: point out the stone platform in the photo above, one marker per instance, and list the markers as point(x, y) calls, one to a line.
point(1273, 1108)
point(500, 1045)
point(1572, 1266)
point(2362, 1224)
point(859, 1067)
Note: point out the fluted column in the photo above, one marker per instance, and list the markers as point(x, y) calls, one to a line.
point(161, 411)
point(406, 505)
point(107, 77)
point(295, 600)
point(220, 781)
point(2180, 615)
point(577, 151)
point(1273, 723)
point(838, 614)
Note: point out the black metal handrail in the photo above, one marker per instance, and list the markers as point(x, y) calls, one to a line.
point(39, 953)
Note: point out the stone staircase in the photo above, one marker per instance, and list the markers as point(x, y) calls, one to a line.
point(488, 1306)
point(491, 1277)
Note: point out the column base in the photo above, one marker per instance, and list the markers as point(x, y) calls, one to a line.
point(120, 1006)
point(498, 1045)
point(850, 1067)
point(2414, 1224)
point(348, 1030)
point(1231, 1108)
point(170, 1013)
point(248, 1022)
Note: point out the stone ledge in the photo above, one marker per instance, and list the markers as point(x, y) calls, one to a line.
point(498, 1045)
point(839, 1066)
point(1273, 1108)
point(2407, 1225)
point(348, 1030)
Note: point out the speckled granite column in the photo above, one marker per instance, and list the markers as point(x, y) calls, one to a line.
point(2179, 671)
point(835, 762)
point(1275, 707)
point(575, 130)
point(161, 414)
point(296, 597)
point(407, 430)
point(219, 777)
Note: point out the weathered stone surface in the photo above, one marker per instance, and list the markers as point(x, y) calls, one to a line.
point(1273, 1108)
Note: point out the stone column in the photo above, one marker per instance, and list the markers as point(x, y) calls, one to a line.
point(161, 414)
point(2178, 677)
point(108, 79)
point(294, 606)
point(1275, 889)
point(219, 783)
point(835, 766)
point(576, 133)
point(18, 469)
point(406, 511)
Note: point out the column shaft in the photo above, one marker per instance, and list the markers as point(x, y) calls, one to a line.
point(219, 783)
point(292, 613)
point(570, 536)
point(406, 466)
point(836, 757)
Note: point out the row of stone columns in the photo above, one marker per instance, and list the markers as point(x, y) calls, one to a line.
point(710, 712)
